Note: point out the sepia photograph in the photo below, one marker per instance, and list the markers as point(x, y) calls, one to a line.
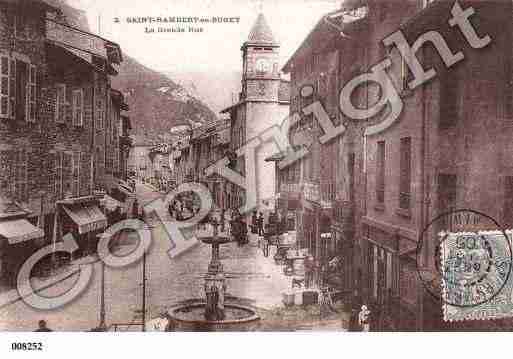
point(286, 166)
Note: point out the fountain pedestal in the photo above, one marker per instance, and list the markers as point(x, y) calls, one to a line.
point(215, 289)
point(215, 281)
point(214, 313)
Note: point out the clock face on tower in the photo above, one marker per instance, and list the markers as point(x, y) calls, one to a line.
point(262, 65)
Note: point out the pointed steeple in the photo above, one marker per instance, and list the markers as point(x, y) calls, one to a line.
point(261, 33)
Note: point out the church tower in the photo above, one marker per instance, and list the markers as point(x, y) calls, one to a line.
point(260, 59)
point(263, 103)
point(266, 98)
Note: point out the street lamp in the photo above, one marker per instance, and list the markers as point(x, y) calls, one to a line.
point(102, 326)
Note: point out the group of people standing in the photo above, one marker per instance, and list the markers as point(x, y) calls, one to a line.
point(257, 223)
point(239, 228)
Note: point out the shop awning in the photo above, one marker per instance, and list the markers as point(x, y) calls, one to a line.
point(88, 218)
point(126, 190)
point(20, 230)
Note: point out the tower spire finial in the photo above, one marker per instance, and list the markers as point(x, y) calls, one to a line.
point(261, 32)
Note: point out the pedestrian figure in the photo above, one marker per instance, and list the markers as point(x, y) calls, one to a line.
point(135, 209)
point(234, 228)
point(223, 219)
point(309, 271)
point(254, 221)
point(42, 327)
point(265, 249)
point(260, 223)
point(117, 215)
point(170, 210)
point(326, 302)
point(364, 319)
point(244, 230)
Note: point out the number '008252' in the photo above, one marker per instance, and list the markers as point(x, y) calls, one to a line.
point(35, 346)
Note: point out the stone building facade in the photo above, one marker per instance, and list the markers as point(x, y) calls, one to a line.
point(49, 116)
point(447, 149)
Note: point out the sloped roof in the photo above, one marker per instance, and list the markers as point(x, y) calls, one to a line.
point(261, 33)
point(47, 5)
point(353, 4)
point(9, 208)
point(325, 35)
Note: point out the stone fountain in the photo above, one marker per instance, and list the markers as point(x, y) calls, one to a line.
point(214, 313)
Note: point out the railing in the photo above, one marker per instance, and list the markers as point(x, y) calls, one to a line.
point(312, 191)
point(76, 39)
point(343, 212)
point(328, 192)
point(290, 187)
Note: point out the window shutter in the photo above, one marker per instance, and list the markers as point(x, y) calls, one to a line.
point(76, 174)
point(78, 107)
point(24, 178)
point(12, 89)
point(31, 93)
point(58, 174)
point(15, 160)
point(81, 107)
point(60, 104)
point(4, 86)
point(67, 173)
point(21, 174)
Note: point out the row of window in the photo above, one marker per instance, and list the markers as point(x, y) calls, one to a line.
point(18, 95)
point(65, 171)
point(405, 168)
point(18, 87)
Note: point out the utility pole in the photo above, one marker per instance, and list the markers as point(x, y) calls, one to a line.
point(102, 326)
point(102, 299)
point(144, 293)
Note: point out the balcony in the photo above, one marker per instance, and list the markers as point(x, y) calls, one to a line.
point(322, 193)
point(328, 194)
point(343, 213)
point(290, 191)
point(312, 192)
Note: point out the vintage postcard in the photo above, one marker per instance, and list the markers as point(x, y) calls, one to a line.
point(256, 165)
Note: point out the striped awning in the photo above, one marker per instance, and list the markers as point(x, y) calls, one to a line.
point(20, 230)
point(87, 218)
point(126, 190)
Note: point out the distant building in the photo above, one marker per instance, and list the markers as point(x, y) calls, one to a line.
point(209, 143)
point(139, 159)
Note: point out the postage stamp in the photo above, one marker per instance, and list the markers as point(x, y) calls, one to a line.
point(476, 281)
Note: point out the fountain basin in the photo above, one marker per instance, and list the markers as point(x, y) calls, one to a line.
point(190, 317)
point(215, 240)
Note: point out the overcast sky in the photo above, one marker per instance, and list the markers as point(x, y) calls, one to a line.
point(218, 47)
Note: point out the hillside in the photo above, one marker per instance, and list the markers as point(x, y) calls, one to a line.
point(218, 90)
point(157, 103)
